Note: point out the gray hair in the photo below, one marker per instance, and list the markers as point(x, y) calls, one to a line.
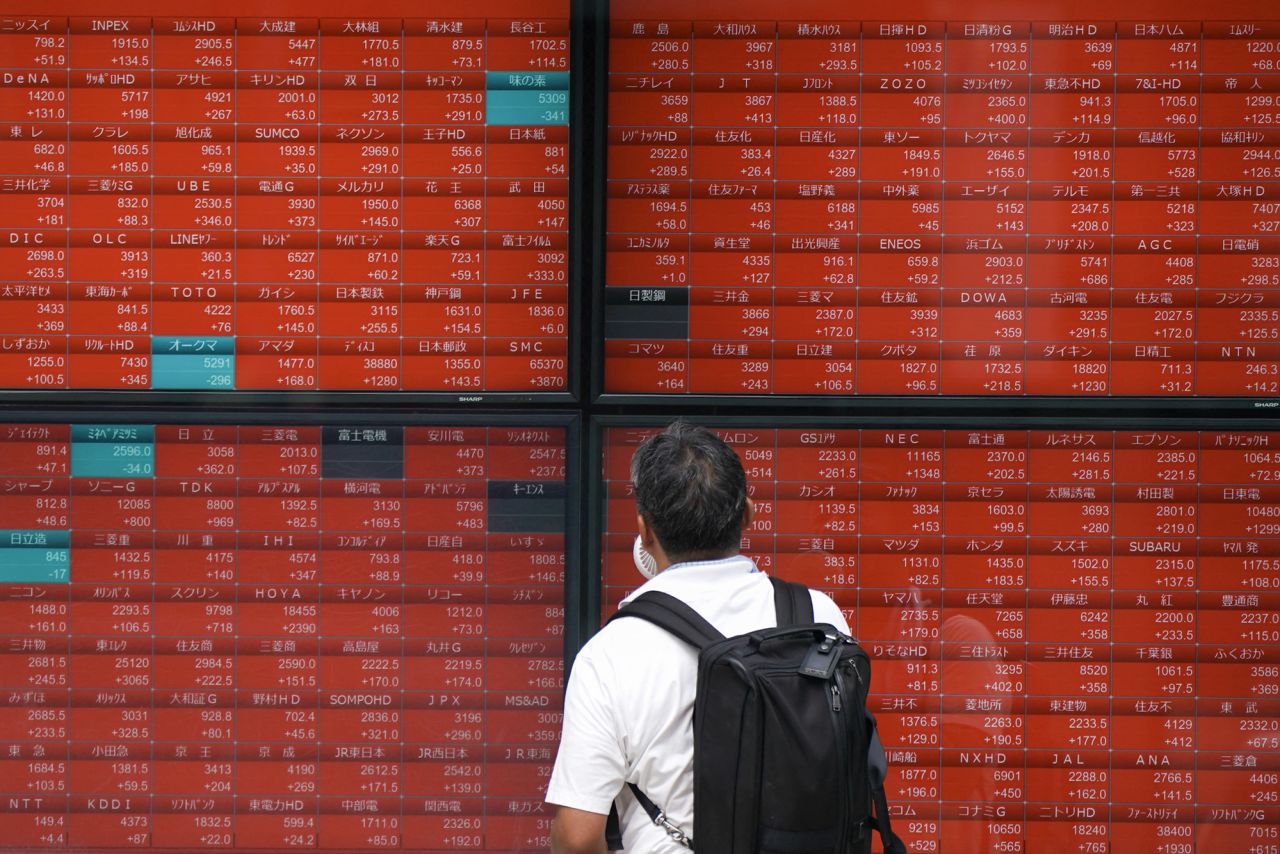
point(691, 490)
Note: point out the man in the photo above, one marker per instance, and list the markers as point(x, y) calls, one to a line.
point(629, 701)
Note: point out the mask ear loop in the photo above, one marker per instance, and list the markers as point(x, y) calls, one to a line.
point(644, 561)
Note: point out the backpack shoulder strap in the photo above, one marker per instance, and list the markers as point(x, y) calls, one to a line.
point(667, 612)
point(613, 825)
point(877, 767)
point(792, 602)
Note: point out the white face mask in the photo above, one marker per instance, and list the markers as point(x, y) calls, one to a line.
point(644, 561)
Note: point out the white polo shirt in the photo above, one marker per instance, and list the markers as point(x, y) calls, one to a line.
point(628, 714)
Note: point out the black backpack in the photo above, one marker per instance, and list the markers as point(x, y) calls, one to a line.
point(786, 759)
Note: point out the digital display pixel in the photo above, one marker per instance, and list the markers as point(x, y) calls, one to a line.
point(1018, 200)
point(279, 636)
point(287, 198)
point(1074, 633)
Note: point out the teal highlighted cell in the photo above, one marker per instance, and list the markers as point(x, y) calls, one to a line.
point(193, 361)
point(509, 107)
point(113, 450)
point(35, 557)
point(193, 372)
point(113, 460)
point(193, 345)
point(496, 81)
point(527, 97)
point(46, 568)
point(34, 538)
point(82, 434)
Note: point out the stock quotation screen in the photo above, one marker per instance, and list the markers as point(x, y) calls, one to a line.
point(1027, 199)
point(231, 196)
point(279, 636)
point(1074, 634)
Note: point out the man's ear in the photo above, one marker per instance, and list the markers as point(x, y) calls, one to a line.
point(647, 538)
point(748, 514)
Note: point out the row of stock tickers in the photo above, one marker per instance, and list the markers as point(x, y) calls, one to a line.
point(279, 637)
point(1074, 634)
point(286, 203)
point(1029, 199)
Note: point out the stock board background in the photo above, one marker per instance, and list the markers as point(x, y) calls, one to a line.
point(277, 636)
point(246, 630)
point(1075, 633)
point(900, 199)
point(284, 197)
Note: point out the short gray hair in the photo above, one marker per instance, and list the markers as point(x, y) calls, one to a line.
point(691, 490)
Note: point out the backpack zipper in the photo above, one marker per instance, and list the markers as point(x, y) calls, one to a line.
point(842, 748)
point(862, 740)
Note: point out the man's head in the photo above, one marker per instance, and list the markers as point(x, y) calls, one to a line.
point(691, 494)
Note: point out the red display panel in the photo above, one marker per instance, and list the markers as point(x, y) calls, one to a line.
point(1075, 635)
point(279, 637)
point(897, 198)
point(285, 196)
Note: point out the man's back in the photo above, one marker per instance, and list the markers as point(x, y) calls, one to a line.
point(629, 705)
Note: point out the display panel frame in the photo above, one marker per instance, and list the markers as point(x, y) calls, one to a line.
point(928, 744)
point(871, 403)
point(569, 420)
point(579, 230)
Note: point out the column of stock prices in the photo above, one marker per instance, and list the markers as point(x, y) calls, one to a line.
point(1074, 634)
point(285, 203)
point(279, 637)
point(1027, 199)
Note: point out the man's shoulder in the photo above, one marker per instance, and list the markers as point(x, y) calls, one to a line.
point(735, 603)
point(620, 643)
